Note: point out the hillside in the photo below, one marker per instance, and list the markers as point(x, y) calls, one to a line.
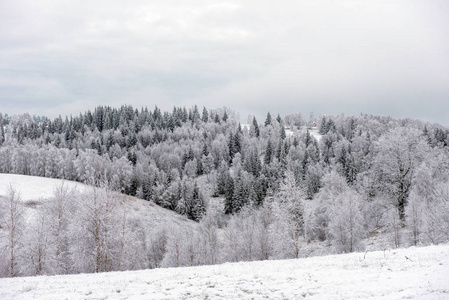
point(64, 227)
point(33, 188)
point(413, 273)
point(35, 191)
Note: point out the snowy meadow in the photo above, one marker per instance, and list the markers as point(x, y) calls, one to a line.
point(413, 273)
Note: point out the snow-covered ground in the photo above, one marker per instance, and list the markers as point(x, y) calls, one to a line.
point(315, 133)
point(35, 188)
point(413, 273)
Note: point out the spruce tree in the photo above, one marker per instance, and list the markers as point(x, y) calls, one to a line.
point(256, 127)
point(268, 153)
point(268, 120)
point(229, 193)
point(205, 116)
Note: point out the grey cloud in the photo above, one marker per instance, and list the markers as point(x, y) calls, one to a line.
point(254, 56)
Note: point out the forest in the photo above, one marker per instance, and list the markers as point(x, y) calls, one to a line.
point(286, 187)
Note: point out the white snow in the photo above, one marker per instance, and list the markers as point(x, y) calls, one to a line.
point(314, 132)
point(413, 273)
point(289, 132)
point(35, 188)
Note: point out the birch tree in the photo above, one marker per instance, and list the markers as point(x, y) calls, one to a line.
point(289, 216)
point(12, 222)
point(95, 229)
point(346, 225)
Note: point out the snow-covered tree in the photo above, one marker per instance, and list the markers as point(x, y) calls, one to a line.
point(12, 222)
point(281, 234)
point(176, 254)
point(288, 211)
point(399, 153)
point(96, 247)
point(346, 227)
point(319, 211)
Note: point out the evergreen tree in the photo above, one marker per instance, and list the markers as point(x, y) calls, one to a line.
point(2, 133)
point(256, 127)
point(229, 193)
point(282, 134)
point(205, 116)
point(225, 117)
point(324, 128)
point(268, 120)
point(196, 208)
point(308, 138)
point(239, 196)
point(278, 119)
point(222, 178)
point(268, 153)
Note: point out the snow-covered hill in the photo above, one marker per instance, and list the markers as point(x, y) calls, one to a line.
point(36, 190)
point(414, 273)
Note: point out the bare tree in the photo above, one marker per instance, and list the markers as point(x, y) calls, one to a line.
point(12, 222)
point(59, 211)
point(95, 226)
point(177, 252)
point(346, 222)
point(208, 242)
point(38, 245)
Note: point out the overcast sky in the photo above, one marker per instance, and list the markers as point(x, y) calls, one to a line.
point(253, 56)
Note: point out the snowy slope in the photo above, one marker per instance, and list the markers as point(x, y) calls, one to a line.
point(414, 273)
point(35, 188)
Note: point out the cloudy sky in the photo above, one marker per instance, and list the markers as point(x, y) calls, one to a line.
point(254, 56)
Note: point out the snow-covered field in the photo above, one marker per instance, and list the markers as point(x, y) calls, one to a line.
point(35, 188)
point(413, 273)
point(316, 134)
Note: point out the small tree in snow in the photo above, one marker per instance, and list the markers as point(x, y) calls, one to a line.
point(12, 221)
point(288, 214)
point(346, 222)
point(98, 220)
point(280, 233)
point(176, 254)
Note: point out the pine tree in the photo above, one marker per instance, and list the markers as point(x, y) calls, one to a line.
point(256, 128)
point(268, 120)
point(308, 139)
point(279, 119)
point(225, 116)
point(205, 116)
point(2, 133)
point(268, 153)
point(324, 128)
point(282, 134)
point(229, 193)
point(239, 196)
point(222, 178)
